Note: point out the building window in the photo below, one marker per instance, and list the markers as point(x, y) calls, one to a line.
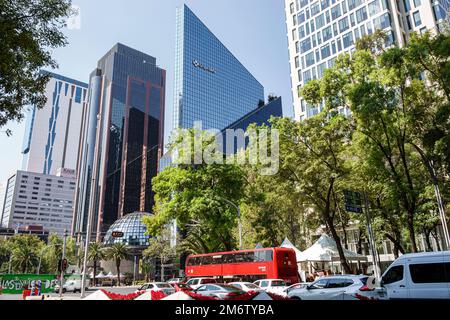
point(296, 47)
point(319, 38)
point(292, 7)
point(294, 34)
point(374, 7)
point(325, 4)
point(343, 24)
point(301, 32)
point(336, 12)
point(406, 5)
point(303, 3)
point(309, 59)
point(439, 13)
point(317, 55)
point(416, 17)
point(347, 40)
point(361, 14)
point(382, 22)
point(306, 45)
point(315, 9)
point(417, 3)
point(325, 51)
point(301, 17)
point(408, 22)
point(294, 19)
point(320, 21)
point(326, 33)
point(297, 62)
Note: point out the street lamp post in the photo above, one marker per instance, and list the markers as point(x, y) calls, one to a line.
point(239, 220)
point(61, 283)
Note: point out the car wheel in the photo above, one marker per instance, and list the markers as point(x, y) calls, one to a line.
point(64, 290)
point(296, 298)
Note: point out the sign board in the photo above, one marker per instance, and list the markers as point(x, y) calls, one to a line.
point(117, 234)
point(353, 201)
point(15, 283)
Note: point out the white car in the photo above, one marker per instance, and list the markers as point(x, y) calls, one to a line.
point(276, 286)
point(157, 286)
point(246, 286)
point(339, 287)
point(418, 276)
point(295, 286)
point(195, 283)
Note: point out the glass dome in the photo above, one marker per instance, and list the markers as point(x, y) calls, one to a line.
point(132, 228)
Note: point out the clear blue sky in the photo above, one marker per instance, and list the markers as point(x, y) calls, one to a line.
point(253, 30)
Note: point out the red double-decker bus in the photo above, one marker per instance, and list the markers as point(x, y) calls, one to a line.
point(246, 265)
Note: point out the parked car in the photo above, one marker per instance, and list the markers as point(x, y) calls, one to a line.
point(175, 280)
point(157, 286)
point(418, 276)
point(72, 285)
point(218, 290)
point(339, 287)
point(181, 286)
point(272, 285)
point(295, 286)
point(246, 286)
point(195, 283)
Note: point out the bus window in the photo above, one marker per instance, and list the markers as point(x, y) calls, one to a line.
point(239, 257)
point(250, 257)
point(217, 260)
point(207, 260)
point(268, 255)
point(229, 258)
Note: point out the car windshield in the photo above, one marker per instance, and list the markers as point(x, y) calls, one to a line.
point(163, 285)
point(251, 286)
point(364, 280)
point(278, 283)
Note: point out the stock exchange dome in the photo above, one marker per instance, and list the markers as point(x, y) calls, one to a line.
point(129, 230)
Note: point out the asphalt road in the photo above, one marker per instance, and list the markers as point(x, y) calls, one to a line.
point(74, 296)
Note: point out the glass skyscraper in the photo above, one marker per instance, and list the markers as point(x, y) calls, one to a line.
point(320, 30)
point(123, 139)
point(211, 85)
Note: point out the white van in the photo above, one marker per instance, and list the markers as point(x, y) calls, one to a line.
point(72, 285)
point(418, 276)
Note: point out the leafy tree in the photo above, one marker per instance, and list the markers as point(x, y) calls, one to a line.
point(4, 255)
point(96, 253)
point(160, 249)
point(117, 252)
point(25, 251)
point(313, 161)
point(197, 196)
point(389, 101)
point(29, 30)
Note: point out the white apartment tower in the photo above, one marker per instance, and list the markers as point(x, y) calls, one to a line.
point(52, 135)
point(320, 30)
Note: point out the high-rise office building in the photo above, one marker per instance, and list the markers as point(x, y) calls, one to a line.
point(36, 199)
point(122, 141)
point(52, 135)
point(211, 85)
point(319, 30)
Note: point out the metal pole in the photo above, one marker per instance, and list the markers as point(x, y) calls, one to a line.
point(62, 264)
point(442, 216)
point(240, 228)
point(10, 262)
point(91, 209)
point(372, 244)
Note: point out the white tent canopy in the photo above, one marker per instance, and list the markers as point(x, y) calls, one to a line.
point(111, 275)
point(101, 275)
point(325, 250)
point(288, 244)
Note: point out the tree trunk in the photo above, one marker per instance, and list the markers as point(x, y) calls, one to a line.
point(329, 221)
point(95, 273)
point(428, 241)
point(412, 233)
point(118, 272)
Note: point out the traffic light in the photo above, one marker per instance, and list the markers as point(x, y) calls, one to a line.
point(62, 265)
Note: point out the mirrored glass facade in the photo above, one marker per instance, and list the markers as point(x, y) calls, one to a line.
point(211, 85)
point(123, 142)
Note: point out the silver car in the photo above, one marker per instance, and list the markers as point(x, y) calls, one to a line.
point(220, 291)
point(340, 287)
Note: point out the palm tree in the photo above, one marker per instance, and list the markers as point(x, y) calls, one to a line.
point(118, 252)
point(96, 253)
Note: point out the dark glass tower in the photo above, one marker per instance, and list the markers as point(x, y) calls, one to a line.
point(211, 85)
point(123, 138)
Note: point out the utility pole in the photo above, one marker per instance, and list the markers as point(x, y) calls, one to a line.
point(239, 220)
point(63, 264)
point(373, 247)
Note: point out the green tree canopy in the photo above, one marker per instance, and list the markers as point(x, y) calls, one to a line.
point(29, 30)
